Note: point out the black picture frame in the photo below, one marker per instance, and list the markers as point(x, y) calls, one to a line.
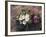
point(6, 18)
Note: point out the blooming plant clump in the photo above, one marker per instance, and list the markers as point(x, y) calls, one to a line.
point(23, 17)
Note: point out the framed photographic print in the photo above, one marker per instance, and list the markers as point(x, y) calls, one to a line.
point(24, 18)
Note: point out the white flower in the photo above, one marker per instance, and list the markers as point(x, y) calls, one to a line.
point(20, 18)
point(23, 17)
point(24, 22)
point(27, 17)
